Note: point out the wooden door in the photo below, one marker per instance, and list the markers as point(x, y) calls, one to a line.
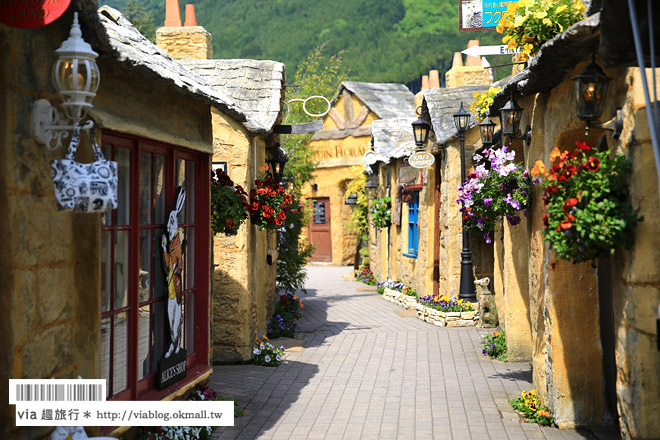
point(319, 231)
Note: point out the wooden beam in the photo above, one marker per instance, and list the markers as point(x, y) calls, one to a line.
point(348, 108)
point(336, 118)
point(361, 116)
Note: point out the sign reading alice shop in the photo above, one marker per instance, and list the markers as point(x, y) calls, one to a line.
point(26, 14)
point(421, 159)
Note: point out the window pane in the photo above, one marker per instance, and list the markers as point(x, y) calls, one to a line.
point(189, 316)
point(144, 276)
point(159, 329)
point(145, 188)
point(105, 352)
point(120, 356)
point(190, 192)
point(158, 276)
point(143, 366)
point(106, 266)
point(106, 217)
point(121, 269)
point(180, 179)
point(123, 158)
point(159, 190)
point(189, 258)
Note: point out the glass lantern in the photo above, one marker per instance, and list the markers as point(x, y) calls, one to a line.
point(590, 88)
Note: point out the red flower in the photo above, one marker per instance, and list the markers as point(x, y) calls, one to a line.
point(593, 164)
point(583, 146)
point(278, 222)
point(567, 173)
point(566, 224)
point(255, 206)
point(266, 215)
point(281, 215)
point(546, 222)
point(258, 182)
point(569, 203)
point(230, 224)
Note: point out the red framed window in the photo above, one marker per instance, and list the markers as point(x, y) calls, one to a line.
point(134, 325)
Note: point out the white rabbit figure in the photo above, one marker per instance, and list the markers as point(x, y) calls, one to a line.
point(173, 246)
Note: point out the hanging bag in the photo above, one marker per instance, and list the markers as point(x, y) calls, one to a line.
point(84, 187)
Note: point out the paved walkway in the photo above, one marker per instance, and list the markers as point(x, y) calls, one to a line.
point(368, 373)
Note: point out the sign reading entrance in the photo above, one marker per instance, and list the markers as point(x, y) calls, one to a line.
point(421, 159)
point(31, 14)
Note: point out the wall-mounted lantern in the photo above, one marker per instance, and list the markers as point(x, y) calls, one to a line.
point(487, 130)
point(76, 78)
point(421, 127)
point(510, 117)
point(276, 164)
point(590, 89)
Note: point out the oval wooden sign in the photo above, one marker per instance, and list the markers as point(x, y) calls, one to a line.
point(26, 14)
point(421, 159)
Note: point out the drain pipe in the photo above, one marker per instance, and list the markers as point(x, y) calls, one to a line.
point(653, 123)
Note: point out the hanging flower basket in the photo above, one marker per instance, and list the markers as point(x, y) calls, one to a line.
point(269, 202)
point(588, 212)
point(228, 204)
point(497, 187)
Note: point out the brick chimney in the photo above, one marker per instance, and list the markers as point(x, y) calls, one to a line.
point(189, 42)
point(470, 74)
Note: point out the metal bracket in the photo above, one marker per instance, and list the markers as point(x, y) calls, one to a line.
point(615, 125)
point(527, 136)
point(49, 124)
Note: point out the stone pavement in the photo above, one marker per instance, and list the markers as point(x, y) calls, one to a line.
point(368, 373)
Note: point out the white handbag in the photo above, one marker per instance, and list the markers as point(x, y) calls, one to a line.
point(84, 187)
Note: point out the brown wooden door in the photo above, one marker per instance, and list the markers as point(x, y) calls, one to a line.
point(319, 231)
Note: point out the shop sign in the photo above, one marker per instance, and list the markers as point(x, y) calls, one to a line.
point(421, 159)
point(351, 199)
point(27, 14)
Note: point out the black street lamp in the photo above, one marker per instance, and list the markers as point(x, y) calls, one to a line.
point(510, 117)
point(466, 292)
point(276, 164)
point(421, 128)
point(487, 130)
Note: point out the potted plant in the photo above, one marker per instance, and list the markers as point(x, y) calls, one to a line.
point(585, 194)
point(269, 202)
point(497, 187)
point(527, 24)
point(381, 213)
point(482, 101)
point(228, 204)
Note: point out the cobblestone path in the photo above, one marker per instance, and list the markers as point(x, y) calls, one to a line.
point(368, 373)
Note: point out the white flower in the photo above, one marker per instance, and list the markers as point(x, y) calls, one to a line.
point(282, 347)
point(262, 346)
point(267, 358)
point(256, 351)
point(278, 358)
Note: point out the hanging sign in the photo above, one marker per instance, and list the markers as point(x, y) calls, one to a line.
point(28, 14)
point(421, 159)
point(480, 15)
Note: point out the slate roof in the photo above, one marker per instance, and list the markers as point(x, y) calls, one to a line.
point(387, 100)
point(443, 103)
point(392, 138)
point(255, 86)
point(115, 37)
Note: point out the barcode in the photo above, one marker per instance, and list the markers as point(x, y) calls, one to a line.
point(62, 390)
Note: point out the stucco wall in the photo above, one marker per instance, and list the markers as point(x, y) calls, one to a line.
point(243, 282)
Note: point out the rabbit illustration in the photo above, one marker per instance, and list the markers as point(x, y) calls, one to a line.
point(173, 246)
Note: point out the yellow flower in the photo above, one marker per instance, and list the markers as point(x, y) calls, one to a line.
point(560, 9)
point(511, 8)
point(512, 43)
point(460, 301)
point(547, 22)
point(579, 6)
point(540, 15)
point(469, 304)
point(519, 20)
point(561, 28)
point(504, 40)
point(528, 48)
point(526, 3)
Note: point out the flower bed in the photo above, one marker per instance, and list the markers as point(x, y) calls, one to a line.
point(398, 293)
point(446, 312)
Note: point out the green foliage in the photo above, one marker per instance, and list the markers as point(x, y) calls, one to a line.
point(381, 212)
point(495, 346)
point(283, 321)
point(381, 40)
point(588, 213)
point(228, 204)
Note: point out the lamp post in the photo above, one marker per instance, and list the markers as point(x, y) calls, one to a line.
point(421, 129)
point(466, 292)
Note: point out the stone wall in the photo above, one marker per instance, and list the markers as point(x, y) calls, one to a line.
point(185, 42)
point(243, 282)
point(459, 76)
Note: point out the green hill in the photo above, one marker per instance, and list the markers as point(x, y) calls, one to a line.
point(382, 40)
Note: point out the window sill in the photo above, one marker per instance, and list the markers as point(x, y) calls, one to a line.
point(406, 254)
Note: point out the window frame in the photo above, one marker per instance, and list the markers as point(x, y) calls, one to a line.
point(413, 226)
point(144, 389)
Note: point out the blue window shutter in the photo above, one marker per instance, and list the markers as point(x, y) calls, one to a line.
point(413, 225)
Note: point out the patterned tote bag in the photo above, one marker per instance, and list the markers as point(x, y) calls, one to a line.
point(84, 187)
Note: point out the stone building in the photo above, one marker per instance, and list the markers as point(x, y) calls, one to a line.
point(243, 281)
point(589, 330)
point(86, 293)
point(338, 147)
